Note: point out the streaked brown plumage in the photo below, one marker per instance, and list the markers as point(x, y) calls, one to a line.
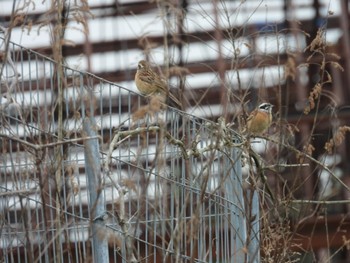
point(149, 83)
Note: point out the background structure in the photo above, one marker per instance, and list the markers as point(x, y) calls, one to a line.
point(222, 58)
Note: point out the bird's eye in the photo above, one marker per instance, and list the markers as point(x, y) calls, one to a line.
point(140, 66)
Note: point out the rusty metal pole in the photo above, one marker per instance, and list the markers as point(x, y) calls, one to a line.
point(302, 94)
point(344, 23)
point(220, 61)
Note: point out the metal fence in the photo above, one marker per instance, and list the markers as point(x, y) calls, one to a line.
point(83, 180)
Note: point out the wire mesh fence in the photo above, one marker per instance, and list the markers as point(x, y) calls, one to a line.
point(84, 180)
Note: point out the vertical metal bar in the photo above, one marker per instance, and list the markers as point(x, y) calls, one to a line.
point(96, 200)
point(237, 224)
point(254, 242)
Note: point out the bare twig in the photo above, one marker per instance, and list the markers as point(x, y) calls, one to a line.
point(308, 156)
point(320, 202)
point(38, 147)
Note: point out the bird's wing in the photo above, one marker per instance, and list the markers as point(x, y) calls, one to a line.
point(162, 85)
point(154, 80)
point(149, 78)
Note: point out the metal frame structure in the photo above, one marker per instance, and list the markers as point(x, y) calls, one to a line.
point(79, 183)
point(312, 199)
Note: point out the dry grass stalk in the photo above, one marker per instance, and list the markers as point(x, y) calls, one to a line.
point(178, 71)
point(314, 95)
point(290, 68)
point(155, 105)
point(318, 42)
point(337, 139)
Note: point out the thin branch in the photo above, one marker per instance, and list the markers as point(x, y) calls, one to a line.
point(311, 159)
point(271, 167)
point(333, 202)
point(37, 147)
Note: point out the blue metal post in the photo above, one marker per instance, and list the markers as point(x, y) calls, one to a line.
point(254, 244)
point(234, 194)
point(96, 198)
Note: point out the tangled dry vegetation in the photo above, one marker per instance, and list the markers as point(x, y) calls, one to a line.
point(280, 211)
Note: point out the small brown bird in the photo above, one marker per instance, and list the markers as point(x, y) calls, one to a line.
point(149, 83)
point(260, 119)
